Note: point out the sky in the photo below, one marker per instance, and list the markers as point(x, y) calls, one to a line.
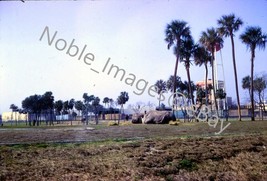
point(124, 34)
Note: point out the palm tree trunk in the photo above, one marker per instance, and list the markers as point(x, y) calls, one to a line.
point(189, 84)
point(159, 99)
point(236, 81)
point(214, 84)
point(174, 83)
point(252, 85)
point(206, 84)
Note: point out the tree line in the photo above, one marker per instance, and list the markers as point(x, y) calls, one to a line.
point(44, 107)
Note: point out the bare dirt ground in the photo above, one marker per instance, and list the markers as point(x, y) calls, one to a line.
point(135, 152)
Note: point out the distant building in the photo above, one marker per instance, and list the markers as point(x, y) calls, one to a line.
point(14, 116)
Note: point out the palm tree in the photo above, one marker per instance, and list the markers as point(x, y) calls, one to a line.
point(122, 99)
point(186, 52)
point(246, 84)
point(106, 101)
point(87, 100)
point(259, 86)
point(211, 40)
point(175, 32)
point(203, 57)
point(253, 37)
point(161, 87)
point(227, 26)
point(170, 82)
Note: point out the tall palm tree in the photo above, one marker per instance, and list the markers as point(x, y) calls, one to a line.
point(161, 88)
point(228, 24)
point(186, 52)
point(253, 37)
point(175, 32)
point(203, 57)
point(211, 40)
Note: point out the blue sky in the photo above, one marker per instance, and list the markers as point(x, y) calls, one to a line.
point(130, 33)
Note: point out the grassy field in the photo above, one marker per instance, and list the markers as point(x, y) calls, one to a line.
point(189, 151)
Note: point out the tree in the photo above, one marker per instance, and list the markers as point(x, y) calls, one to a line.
point(47, 101)
point(186, 52)
point(228, 24)
point(65, 107)
point(175, 32)
point(79, 106)
point(87, 100)
point(70, 107)
point(212, 41)
point(161, 87)
point(14, 108)
point(58, 107)
point(106, 101)
point(246, 83)
point(33, 105)
point(170, 82)
point(111, 104)
point(259, 86)
point(122, 99)
point(96, 106)
point(253, 38)
point(203, 57)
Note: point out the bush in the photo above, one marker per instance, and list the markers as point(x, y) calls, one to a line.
point(187, 165)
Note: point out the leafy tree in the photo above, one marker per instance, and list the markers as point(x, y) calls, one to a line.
point(47, 101)
point(122, 99)
point(71, 104)
point(254, 38)
point(74, 115)
point(228, 24)
point(65, 107)
point(203, 57)
point(175, 32)
point(186, 52)
point(220, 94)
point(161, 87)
point(70, 107)
point(79, 106)
point(33, 105)
point(58, 107)
point(211, 40)
point(201, 94)
point(14, 108)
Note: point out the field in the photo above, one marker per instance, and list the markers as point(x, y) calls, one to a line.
point(189, 151)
